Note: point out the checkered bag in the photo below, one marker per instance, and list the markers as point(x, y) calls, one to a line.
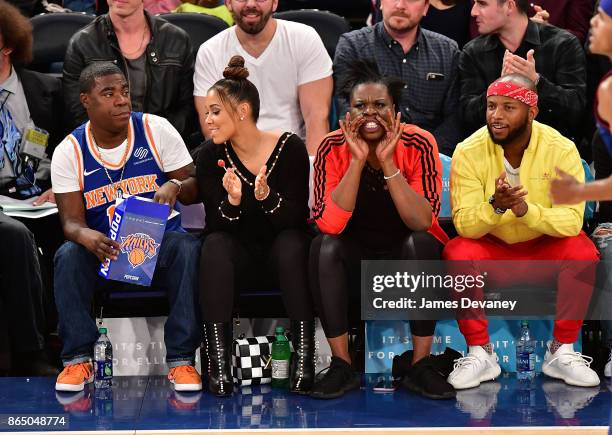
point(251, 364)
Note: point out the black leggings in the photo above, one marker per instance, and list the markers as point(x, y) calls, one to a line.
point(334, 270)
point(227, 266)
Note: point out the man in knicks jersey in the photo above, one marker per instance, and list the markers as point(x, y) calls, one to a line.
point(119, 152)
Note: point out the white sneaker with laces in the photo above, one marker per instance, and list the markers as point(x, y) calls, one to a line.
point(569, 366)
point(608, 368)
point(478, 366)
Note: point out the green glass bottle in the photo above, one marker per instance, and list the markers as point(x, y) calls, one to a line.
point(281, 356)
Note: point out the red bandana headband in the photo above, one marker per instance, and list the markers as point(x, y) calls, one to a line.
point(511, 90)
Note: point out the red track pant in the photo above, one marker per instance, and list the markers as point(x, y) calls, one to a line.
point(573, 295)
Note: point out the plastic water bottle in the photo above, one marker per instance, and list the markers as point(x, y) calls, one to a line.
point(525, 354)
point(281, 355)
point(103, 361)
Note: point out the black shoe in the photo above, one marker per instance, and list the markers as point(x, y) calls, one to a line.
point(424, 379)
point(217, 338)
point(303, 358)
point(401, 364)
point(339, 379)
point(445, 362)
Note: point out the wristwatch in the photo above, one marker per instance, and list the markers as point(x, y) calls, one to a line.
point(178, 183)
point(496, 209)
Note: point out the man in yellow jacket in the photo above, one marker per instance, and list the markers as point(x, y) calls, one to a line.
point(500, 179)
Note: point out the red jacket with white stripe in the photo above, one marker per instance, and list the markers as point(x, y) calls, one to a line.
point(416, 156)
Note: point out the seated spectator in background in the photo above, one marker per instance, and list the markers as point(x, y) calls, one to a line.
point(287, 63)
point(155, 55)
point(425, 61)
point(377, 196)
point(91, 168)
point(502, 211)
point(512, 43)
point(571, 15)
point(209, 7)
point(256, 234)
point(450, 18)
point(28, 99)
point(21, 303)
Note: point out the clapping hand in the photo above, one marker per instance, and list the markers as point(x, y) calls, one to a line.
point(541, 15)
point(514, 64)
point(261, 189)
point(509, 198)
point(233, 186)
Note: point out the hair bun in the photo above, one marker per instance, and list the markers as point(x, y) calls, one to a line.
point(235, 69)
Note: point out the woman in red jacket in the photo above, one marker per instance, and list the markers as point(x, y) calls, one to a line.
point(377, 185)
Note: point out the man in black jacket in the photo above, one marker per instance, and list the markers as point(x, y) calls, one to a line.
point(154, 55)
point(512, 43)
point(27, 99)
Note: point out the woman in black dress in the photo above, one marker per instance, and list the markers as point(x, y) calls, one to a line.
point(254, 185)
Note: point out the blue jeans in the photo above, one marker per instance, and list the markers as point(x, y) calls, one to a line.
point(76, 280)
point(602, 237)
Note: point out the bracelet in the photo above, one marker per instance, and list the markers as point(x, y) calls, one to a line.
point(176, 183)
point(228, 217)
point(391, 176)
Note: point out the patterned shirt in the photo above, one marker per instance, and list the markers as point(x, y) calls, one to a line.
point(430, 97)
point(560, 61)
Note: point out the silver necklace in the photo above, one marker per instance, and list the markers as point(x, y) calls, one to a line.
point(118, 190)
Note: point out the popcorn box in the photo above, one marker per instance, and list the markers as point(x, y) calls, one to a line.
point(138, 225)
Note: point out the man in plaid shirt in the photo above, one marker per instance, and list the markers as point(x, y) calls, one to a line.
point(425, 61)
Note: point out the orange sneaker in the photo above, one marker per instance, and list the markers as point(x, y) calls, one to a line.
point(185, 378)
point(74, 377)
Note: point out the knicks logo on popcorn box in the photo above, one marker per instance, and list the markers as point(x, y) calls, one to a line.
point(138, 224)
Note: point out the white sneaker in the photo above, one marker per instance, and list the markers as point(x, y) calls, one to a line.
point(608, 368)
point(569, 366)
point(479, 402)
point(478, 366)
point(566, 399)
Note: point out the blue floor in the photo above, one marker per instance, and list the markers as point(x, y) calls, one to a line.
point(141, 403)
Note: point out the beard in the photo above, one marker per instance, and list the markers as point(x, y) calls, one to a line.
point(254, 28)
point(512, 134)
point(408, 26)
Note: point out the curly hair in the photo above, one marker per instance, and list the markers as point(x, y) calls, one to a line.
point(361, 71)
point(16, 33)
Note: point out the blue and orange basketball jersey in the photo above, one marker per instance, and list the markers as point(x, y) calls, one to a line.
point(143, 174)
